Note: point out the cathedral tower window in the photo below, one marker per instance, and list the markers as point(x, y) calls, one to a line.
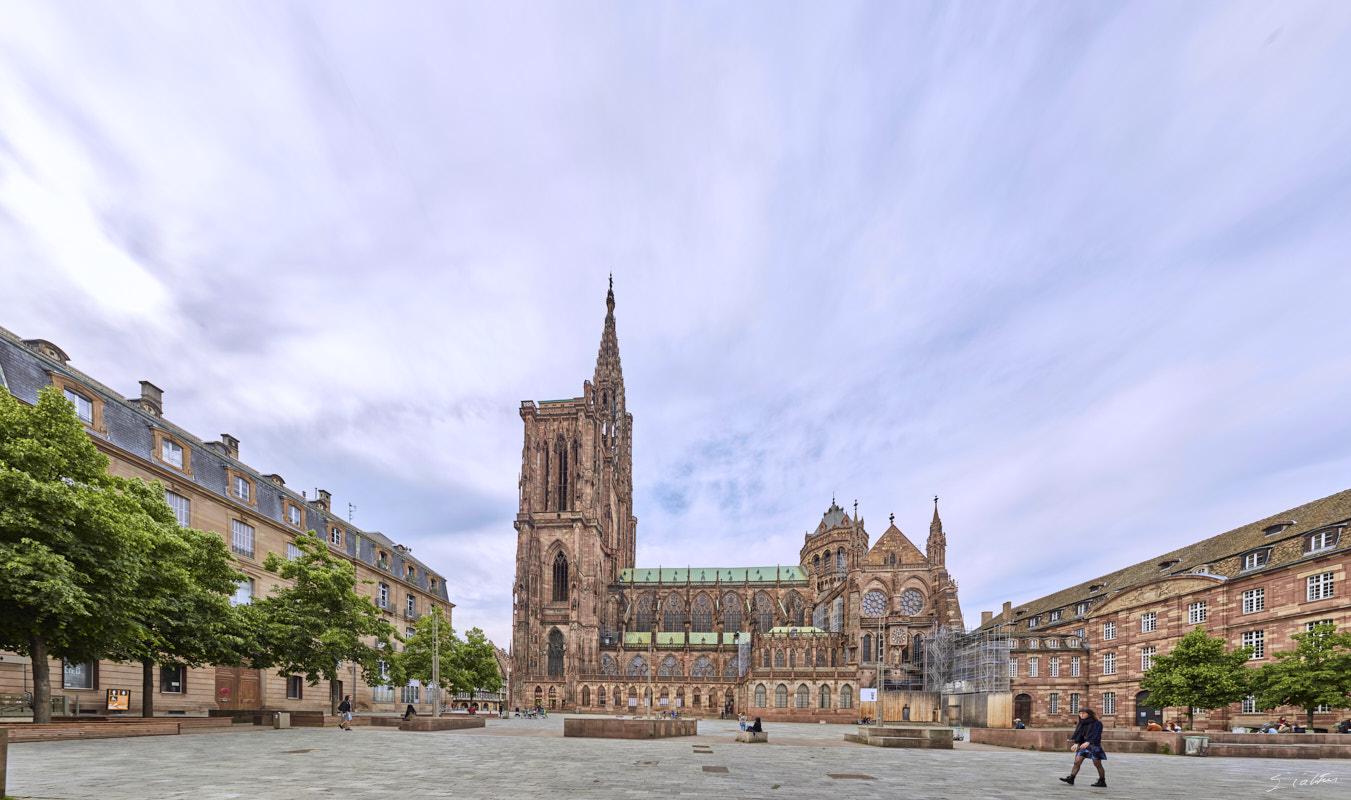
point(560, 593)
point(555, 653)
point(839, 560)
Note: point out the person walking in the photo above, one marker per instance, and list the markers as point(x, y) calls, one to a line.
point(1087, 740)
point(345, 710)
point(741, 718)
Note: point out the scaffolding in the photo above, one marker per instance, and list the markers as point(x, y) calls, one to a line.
point(966, 663)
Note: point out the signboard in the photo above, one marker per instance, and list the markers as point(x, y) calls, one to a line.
point(867, 695)
point(633, 701)
point(119, 699)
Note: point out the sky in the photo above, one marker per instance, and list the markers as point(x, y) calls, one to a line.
point(1079, 269)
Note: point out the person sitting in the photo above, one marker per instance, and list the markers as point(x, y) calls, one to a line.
point(1283, 727)
point(1344, 727)
point(755, 726)
point(1018, 724)
point(1175, 727)
point(1153, 726)
point(409, 713)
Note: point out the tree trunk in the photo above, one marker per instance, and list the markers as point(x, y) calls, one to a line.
point(1309, 711)
point(42, 678)
point(147, 688)
point(333, 695)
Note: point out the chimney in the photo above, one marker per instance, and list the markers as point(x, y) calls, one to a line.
point(152, 399)
point(985, 617)
point(1005, 613)
point(231, 444)
point(322, 498)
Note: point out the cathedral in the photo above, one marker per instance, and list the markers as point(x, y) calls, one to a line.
point(592, 632)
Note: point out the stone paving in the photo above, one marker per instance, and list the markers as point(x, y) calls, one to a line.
point(521, 758)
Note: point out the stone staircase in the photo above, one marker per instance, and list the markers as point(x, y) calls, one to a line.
point(911, 737)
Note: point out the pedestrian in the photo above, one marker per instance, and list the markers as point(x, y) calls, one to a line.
point(345, 710)
point(1087, 740)
point(741, 718)
point(1018, 724)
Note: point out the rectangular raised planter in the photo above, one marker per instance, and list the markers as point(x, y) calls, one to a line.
point(604, 728)
point(915, 738)
point(752, 738)
point(426, 724)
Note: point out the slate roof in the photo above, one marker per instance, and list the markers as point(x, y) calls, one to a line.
point(833, 518)
point(1220, 555)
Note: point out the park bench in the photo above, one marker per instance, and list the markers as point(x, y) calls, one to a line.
point(30, 732)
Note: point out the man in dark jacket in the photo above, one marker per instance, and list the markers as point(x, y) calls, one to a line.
point(1087, 740)
point(345, 709)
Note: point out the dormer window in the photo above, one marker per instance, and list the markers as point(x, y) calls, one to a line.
point(1164, 566)
point(1255, 559)
point(243, 488)
point(1080, 609)
point(1272, 530)
point(1055, 615)
point(382, 559)
point(431, 584)
point(1031, 644)
point(335, 536)
point(84, 407)
point(1204, 569)
point(293, 515)
point(1034, 622)
point(410, 573)
point(1097, 587)
point(1326, 539)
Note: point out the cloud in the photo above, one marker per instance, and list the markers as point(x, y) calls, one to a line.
point(1077, 271)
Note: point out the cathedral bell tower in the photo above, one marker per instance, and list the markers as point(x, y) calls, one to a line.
point(574, 529)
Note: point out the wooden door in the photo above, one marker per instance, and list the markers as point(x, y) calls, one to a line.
point(249, 694)
point(227, 689)
point(1022, 708)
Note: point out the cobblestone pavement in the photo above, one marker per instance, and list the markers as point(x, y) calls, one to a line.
point(530, 759)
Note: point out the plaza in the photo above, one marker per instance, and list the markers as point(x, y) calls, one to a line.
point(520, 758)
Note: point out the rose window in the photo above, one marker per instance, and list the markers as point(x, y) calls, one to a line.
point(874, 604)
point(912, 602)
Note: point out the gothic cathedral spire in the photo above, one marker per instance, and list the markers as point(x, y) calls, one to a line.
point(938, 542)
point(608, 371)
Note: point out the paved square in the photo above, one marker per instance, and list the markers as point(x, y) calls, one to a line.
point(521, 758)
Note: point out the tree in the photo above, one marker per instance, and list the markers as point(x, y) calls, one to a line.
point(466, 665)
point(310, 627)
point(1198, 673)
point(1317, 672)
point(184, 606)
point(76, 543)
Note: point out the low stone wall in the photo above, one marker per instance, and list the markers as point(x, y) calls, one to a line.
point(455, 723)
point(1135, 740)
point(908, 737)
point(613, 728)
point(753, 738)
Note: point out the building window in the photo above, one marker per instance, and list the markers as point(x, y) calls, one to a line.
point(1055, 615)
point(1074, 667)
point(1013, 667)
point(1033, 644)
point(1081, 609)
point(1072, 642)
point(1147, 658)
point(824, 697)
point(171, 680)
point(295, 687)
point(77, 676)
point(1108, 631)
point(1082, 633)
point(243, 593)
point(181, 506)
point(1054, 644)
point(1196, 613)
point(1074, 702)
point(411, 606)
point(760, 698)
point(293, 514)
point(410, 574)
point(84, 407)
point(1053, 703)
point(1249, 705)
point(1034, 622)
point(804, 697)
point(1257, 641)
point(1055, 668)
point(1255, 559)
point(243, 489)
point(1322, 540)
point(1147, 622)
point(1309, 626)
point(335, 536)
point(171, 453)
point(1109, 663)
point(1254, 600)
point(1320, 586)
point(1032, 666)
point(384, 595)
point(846, 697)
point(241, 539)
point(1109, 702)
point(431, 584)
point(292, 552)
point(781, 696)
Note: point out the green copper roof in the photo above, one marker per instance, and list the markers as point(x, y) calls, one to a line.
point(785, 630)
point(713, 574)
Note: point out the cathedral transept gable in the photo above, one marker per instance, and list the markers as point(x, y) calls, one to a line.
point(893, 543)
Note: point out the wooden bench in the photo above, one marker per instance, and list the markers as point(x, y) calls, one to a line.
point(30, 732)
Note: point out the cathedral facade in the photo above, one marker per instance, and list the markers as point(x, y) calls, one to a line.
point(593, 632)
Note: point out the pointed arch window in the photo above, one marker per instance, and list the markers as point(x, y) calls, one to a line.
point(638, 666)
point(555, 653)
point(731, 613)
point(703, 668)
point(779, 658)
point(760, 695)
point(781, 696)
point(669, 668)
point(732, 669)
point(867, 648)
point(839, 560)
point(560, 578)
point(825, 696)
point(673, 615)
point(643, 617)
point(796, 609)
point(701, 615)
point(764, 612)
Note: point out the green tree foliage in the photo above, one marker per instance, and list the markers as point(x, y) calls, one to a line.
point(1198, 673)
point(1317, 672)
point(466, 665)
point(310, 627)
point(77, 545)
point(183, 605)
